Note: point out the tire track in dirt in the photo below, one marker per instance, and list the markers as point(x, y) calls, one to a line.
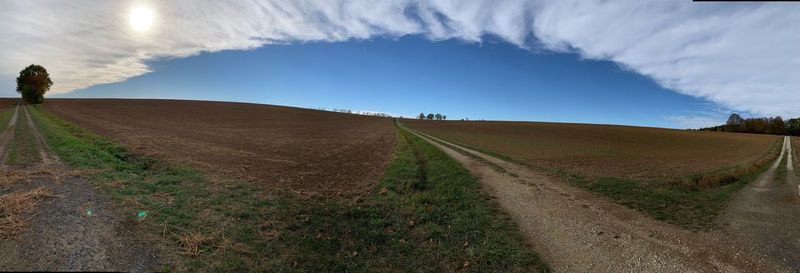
point(81, 230)
point(42, 147)
point(6, 136)
point(577, 231)
point(762, 218)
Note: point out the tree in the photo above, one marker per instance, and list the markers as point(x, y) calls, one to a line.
point(734, 123)
point(430, 116)
point(438, 116)
point(793, 126)
point(444, 117)
point(421, 115)
point(33, 82)
point(776, 126)
point(735, 119)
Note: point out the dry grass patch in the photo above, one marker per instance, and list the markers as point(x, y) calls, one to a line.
point(15, 208)
point(9, 177)
point(192, 242)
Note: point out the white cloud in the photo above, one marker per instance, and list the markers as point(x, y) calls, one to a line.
point(743, 56)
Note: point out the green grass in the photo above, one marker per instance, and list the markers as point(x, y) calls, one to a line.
point(431, 217)
point(795, 159)
point(427, 214)
point(675, 203)
point(781, 171)
point(22, 147)
point(5, 117)
point(694, 209)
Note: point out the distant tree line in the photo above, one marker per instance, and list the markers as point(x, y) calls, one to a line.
point(768, 125)
point(432, 116)
point(348, 111)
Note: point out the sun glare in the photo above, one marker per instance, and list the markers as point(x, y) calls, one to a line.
point(141, 19)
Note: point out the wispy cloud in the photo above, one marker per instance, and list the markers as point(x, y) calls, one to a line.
point(742, 56)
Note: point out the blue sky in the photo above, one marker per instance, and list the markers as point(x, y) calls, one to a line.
point(491, 80)
point(655, 63)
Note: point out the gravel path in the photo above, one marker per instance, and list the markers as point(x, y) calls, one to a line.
point(80, 230)
point(763, 218)
point(577, 231)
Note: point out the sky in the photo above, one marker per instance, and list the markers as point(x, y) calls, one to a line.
point(672, 64)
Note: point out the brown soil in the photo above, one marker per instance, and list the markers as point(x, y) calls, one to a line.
point(605, 150)
point(305, 150)
point(6, 103)
point(576, 231)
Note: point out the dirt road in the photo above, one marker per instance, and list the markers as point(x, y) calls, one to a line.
point(763, 218)
point(576, 231)
point(72, 227)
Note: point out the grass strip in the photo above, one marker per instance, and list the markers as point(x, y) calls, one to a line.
point(495, 167)
point(427, 214)
point(672, 202)
point(795, 159)
point(781, 171)
point(22, 148)
point(5, 117)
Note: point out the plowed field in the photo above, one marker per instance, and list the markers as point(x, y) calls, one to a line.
point(605, 150)
point(305, 150)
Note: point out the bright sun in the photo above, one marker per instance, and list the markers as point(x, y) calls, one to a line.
point(141, 19)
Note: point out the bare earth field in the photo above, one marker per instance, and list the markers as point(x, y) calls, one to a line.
point(6, 103)
point(605, 150)
point(305, 150)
